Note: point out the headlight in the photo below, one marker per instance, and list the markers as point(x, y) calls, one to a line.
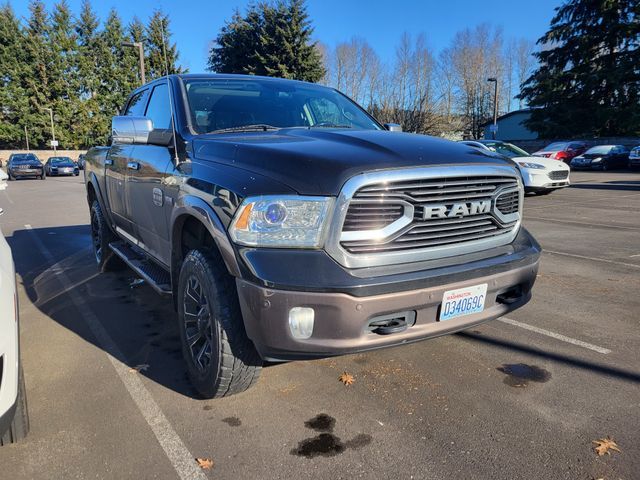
point(531, 165)
point(281, 221)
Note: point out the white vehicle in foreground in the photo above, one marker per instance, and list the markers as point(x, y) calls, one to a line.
point(14, 418)
point(539, 174)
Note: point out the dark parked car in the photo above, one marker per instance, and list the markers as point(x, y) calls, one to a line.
point(80, 161)
point(564, 151)
point(602, 157)
point(287, 223)
point(61, 166)
point(25, 165)
point(634, 158)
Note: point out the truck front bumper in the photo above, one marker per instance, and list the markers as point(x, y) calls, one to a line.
point(343, 316)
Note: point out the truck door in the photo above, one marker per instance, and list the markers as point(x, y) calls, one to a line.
point(116, 172)
point(146, 168)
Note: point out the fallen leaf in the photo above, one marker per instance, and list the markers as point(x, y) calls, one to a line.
point(205, 463)
point(346, 378)
point(139, 368)
point(604, 445)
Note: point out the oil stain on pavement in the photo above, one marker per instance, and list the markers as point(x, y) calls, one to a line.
point(232, 421)
point(520, 374)
point(326, 444)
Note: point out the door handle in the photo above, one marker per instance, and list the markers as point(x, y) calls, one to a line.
point(108, 161)
point(133, 165)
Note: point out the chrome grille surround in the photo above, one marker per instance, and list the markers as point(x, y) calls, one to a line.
point(505, 218)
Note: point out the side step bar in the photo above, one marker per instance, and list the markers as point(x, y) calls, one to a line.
point(157, 277)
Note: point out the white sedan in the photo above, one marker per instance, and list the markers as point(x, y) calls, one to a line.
point(539, 174)
point(14, 419)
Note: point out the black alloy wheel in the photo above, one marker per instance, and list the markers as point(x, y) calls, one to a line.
point(197, 324)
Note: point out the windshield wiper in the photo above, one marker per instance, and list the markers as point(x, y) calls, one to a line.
point(259, 127)
point(329, 125)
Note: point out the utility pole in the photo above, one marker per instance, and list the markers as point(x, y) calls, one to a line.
point(26, 137)
point(140, 48)
point(495, 105)
point(54, 143)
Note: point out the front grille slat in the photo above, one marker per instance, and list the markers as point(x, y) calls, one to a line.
point(376, 206)
point(559, 175)
point(373, 248)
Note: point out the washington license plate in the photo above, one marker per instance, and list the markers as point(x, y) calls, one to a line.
point(463, 301)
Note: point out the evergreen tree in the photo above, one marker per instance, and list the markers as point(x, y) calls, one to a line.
point(116, 75)
point(271, 39)
point(63, 74)
point(588, 82)
point(87, 121)
point(157, 44)
point(13, 101)
point(36, 80)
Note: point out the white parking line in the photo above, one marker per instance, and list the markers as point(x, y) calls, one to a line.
point(595, 259)
point(179, 456)
point(589, 224)
point(557, 336)
point(564, 204)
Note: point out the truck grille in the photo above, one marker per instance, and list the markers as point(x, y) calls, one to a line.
point(558, 175)
point(376, 206)
point(508, 203)
point(367, 216)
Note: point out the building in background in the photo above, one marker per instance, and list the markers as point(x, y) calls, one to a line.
point(511, 127)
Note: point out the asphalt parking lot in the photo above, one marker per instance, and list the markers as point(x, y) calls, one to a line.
point(518, 398)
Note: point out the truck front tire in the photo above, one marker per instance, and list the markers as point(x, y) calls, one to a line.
point(101, 236)
point(20, 424)
point(221, 359)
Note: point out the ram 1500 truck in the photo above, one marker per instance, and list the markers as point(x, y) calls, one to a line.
point(287, 223)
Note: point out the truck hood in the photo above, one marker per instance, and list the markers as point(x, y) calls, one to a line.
point(319, 162)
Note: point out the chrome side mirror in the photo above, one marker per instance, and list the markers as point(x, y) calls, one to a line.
point(131, 130)
point(393, 127)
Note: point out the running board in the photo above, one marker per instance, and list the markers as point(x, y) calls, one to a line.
point(157, 277)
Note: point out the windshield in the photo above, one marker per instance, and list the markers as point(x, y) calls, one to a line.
point(600, 149)
point(220, 104)
point(61, 161)
point(506, 149)
point(555, 146)
point(23, 158)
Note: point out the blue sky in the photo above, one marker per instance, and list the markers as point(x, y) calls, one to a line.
point(195, 23)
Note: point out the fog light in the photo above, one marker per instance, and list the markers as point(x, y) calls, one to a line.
point(301, 322)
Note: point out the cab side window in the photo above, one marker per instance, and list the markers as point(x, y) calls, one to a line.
point(158, 109)
point(135, 107)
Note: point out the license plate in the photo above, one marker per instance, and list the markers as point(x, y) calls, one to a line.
point(463, 301)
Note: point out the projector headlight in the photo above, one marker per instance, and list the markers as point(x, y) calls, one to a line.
point(281, 221)
point(536, 166)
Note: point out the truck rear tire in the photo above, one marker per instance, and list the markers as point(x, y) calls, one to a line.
point(20, 424)
point(221, 359)
point(101, 236)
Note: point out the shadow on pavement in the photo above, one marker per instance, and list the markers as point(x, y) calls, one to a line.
point(628, 185)
point(574, 362)
point(142, 324)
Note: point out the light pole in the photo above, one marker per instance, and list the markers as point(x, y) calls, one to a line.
point(495, 105)
point(26, 137)
point(53, 131)
point(140, 48)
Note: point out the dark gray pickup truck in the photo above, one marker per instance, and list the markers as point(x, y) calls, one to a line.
point(287, 223)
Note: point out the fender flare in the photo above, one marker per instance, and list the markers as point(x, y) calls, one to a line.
point(189, 205)
point(95, 183)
